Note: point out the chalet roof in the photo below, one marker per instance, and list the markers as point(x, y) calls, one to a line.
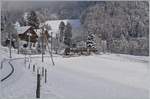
point(21, 30)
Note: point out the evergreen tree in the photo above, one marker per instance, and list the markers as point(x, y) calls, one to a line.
point(91, 41)
point(61, 28)
point(68, 34)
point(7, 29)
point(32, 20)
point(22, 21)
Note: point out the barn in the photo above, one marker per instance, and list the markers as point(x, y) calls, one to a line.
point(23, 33)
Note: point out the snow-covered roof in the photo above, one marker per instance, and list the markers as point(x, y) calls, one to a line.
point(21, 30)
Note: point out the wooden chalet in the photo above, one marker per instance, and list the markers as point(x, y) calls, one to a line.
point(23, 34)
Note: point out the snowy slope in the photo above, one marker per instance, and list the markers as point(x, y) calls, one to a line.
point(107, 76)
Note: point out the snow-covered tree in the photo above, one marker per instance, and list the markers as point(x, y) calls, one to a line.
point(61, 29)
point(116, 18)
point(56, 43)
point(32, 19)
point(47, 27)
point(68, 34)
point(91, 41)
point(22, 21)
point(17, 24)
point(8, 30)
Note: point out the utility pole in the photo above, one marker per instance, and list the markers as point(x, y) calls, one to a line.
point(51, 43)
point(46, 41)
point(52, 49)
point(18, 44)
point(10, 38)
point(29, 47)
point(25, 55)
point(10, 45)
point(42, 45)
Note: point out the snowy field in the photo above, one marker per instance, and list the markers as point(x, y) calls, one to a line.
point(106, 76)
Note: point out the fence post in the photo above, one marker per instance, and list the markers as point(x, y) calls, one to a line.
point(37, 70)
point(29, 66)
point(38, 86)
point(1, 64)
point(42, 71)
point(33, 68)
point(45, 75)
point(88, 51)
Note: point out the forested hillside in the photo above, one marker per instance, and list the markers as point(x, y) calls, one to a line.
point(124, 25)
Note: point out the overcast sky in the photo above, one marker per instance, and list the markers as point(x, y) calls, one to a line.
point(18, 5)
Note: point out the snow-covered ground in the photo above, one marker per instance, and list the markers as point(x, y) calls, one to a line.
point(106, 76)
